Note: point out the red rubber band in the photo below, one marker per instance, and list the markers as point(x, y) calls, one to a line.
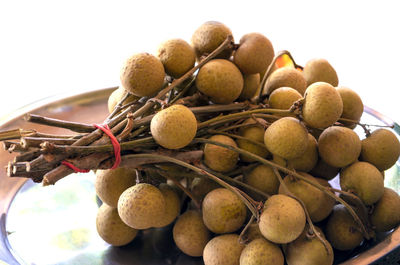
point(74, 168)
point(114, 142)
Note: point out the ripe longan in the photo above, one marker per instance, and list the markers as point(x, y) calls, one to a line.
point(320, 70)
point(285, 77)
point(142, 74)
point(219, 158)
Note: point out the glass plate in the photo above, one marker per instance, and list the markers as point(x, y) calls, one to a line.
point(57, 224)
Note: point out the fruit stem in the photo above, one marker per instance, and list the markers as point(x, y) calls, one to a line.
point(242, 234)
point(259, 144)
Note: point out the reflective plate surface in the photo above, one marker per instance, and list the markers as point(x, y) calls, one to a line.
point(57, 224)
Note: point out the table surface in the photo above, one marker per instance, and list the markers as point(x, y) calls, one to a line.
point(56, 47)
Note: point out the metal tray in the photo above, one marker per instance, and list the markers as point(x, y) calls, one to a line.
point(56, 225)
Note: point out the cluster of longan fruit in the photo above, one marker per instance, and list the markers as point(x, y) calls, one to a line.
point(317, 143)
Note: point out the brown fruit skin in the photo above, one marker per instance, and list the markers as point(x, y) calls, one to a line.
point(262, 178)
point(381, 148)
point(208, 37)
point(386, 212)
point(116, 96)
point(111, 183)
point(255, 53)
point(287, 138)
point(282, 220)
point(261, 251)
point(221, 80)
point(322, 105)
point(142, 74)
point(223, 250)
point(339, 146)
point(190, 234)
point(250, 86)
point(341, 230)
point(313, 198)
point(177, 56)
point(320, 70)
point(309, 159)
point(363, 179)
point(219, 158)
point(310, 251)
point(174, 127)
point(353, 106)
point(172, 205)
point(141, 206)
point(201, 186)
point(285, 77)
point(111, 228)
point(323, 170)
point(223, 211)
point(283, 98)
point(255, 133)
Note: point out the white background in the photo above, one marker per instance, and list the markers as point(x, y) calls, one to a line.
point(56, 47)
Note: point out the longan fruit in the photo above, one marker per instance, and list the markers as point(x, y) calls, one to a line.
point(190, 234)
point(172, 205)
point(177, 56)
point(261, 251)
point(223, 211)
point(287, 138)
point(353, 106)
point(381, 148)
point(141, 206)
point(110, 183)
point(116, 96)
point(309, 159)
point(285, 77)
point(322, 105)
point(174, 127)
point(283, 98)
point(142, 74)
point(208, 37)
point(220, 80)
point(219, 158)
point(111, 228)
point(255, 53)
point(250, 86)
point(386, 212)
point(223, 249)
point(320, 70)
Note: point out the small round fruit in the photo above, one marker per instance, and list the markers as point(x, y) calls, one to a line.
point(309, 250)
point(223, 211)
point(110, 183)
point(255, 133)
point(386, 212)
point(322, 105)
point(339, 146)
point(116, 96)
point(141, 206)
point(201, 186)
point(250, 86)
point(255, 53)
point(309, 159)
point(283, 98)
point(282, 220)
point(174, 127)
point(287, 138)
point(381, 148)
point(221, 80)
point(261, 251)
point(341, 229)
point(320, 70)
point(172, 205)
point(177, 56)
point(111, 228)
point(208, 37)
point(224, 249)
point(353, 106)
point(190, 234)
point(263, 178)
point(142, 74)
point(285, 77)
point(363, 179)
point(219, 158)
